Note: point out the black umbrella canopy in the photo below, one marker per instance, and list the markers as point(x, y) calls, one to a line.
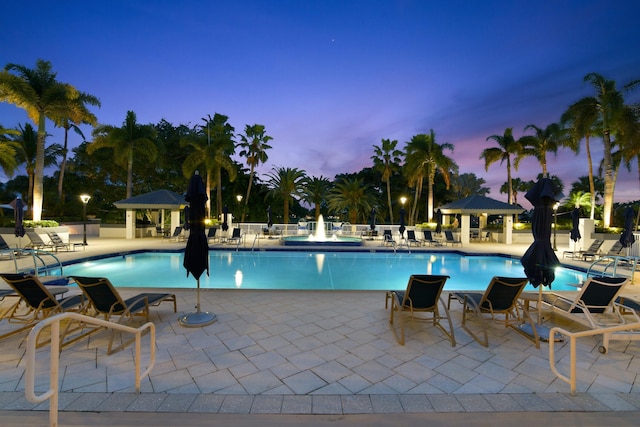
point(196, 254)
point(438, 221)
point(575, 219)
point(540, 260)
point(225, 212)
point(18, 216)
point(269, 219)
point(402, 228)
point(372, 219)
point(627, 239)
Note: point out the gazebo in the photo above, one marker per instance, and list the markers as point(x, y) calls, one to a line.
point(482, 207)
point(157, 201)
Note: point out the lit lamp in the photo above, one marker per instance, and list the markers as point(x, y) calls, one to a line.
point(239, 199)
point(555, 224)
point(85, 199)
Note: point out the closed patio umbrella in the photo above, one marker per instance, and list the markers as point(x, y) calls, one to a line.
point(372, 219)
point(18, 216)
point(225, 212)
point(438, 221)
point(196, 254)
point(575, 219)
point(540, 260)
point(627, 238)
point(402, 228)
point(269, 219)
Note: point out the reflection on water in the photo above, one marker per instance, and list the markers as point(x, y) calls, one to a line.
point(317, 270)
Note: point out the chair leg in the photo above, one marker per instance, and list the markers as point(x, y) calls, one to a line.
point(476, 311)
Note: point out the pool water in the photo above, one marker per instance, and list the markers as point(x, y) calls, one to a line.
point(310, 270)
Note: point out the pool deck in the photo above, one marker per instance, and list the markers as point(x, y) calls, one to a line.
point(320, 357)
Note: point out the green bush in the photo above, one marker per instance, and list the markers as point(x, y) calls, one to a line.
point(40, 224)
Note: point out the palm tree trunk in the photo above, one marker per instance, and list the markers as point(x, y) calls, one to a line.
point(39, 170)
point(608, 179)
point(130, 174)
point(63, 163)
point(246, 200)
point(509, 181)
point(389, 200)
point(219, 188)
point(592, 184)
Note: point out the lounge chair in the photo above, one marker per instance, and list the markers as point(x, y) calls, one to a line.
point(58, 243)
point(591, 251)
point(421, 296)
point(500, 298)
point(411, 238)
point(39, 300)
point(428, 238)
point(106, 301)
point(450, 239)
point(211, 234)
point(387, 238)
point(177, 235)
point(36, 242)
point(236, 236)
point(596, 305)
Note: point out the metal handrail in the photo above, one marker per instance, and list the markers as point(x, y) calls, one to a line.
point(614, 261)
point(54, 367)
point(571, 379)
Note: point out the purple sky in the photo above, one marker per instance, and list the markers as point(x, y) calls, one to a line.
point(329, 79)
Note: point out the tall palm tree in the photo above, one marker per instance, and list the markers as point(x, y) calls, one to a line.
point(285, 184)
point(316, 190)
point(386, 160)
point(75, 114)
point(465, 184)
point(547, 140)
point(27, 141)
point(129, 142)
point(39, 93)
point(508, 146)
point(8, 151)
point(425, 157)
point(254, 147)
point(353, 195)
point(609, 104)
point(223, 147)
point(581, 120)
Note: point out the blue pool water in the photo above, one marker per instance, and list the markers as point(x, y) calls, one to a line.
point(310, 271)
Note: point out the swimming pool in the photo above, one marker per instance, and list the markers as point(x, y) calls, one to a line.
point(309, 270)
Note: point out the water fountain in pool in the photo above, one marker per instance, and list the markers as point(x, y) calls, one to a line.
point(320, 238)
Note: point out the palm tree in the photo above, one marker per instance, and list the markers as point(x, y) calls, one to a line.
point(27, 143)
point(353, 195)
point(315, 192)
point(425, 157)
point(609, 104)
point(507, 146)
point(254, 148)
point(39, 93)
point(544, 141)
point(76, 114)
point(386, 160)
point(8, 151)
point(223, 147)
point(129, 142)
point(466, 184)
point(578, 199)
point(581, 119)
point(285, 184)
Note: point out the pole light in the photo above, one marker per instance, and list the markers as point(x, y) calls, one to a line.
point(555, 224)
point(85, 199)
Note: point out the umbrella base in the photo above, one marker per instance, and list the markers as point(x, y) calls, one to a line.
point(194, 320)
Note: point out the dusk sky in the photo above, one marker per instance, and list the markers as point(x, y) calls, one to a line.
point(329, 79)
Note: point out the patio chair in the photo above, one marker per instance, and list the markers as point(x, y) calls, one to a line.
point(236, 236)
point(39, 300)
point(58, 243)
point(500, 298)
point(450, 239)
point(411, 238)
point(36, 242)
point(177, 235)
point(387, 238)
point(7, 251)
point(597, 305)
point(421, 296)
point(106, 301)
point(211, 234)
point(428, 238)
point(591, 251)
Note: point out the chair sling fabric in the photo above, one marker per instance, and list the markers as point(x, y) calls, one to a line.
point(421, 296)
point(500, 298)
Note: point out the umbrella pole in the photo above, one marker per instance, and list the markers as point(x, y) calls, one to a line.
point(199, 318)
point(198, 296)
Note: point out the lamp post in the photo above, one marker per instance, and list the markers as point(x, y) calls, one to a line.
point(239, 199)
point(555, 224)
point(85, 199)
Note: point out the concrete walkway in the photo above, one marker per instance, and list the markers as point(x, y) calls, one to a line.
point(278, 356)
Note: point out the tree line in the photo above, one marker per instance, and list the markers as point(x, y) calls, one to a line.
point(117, 162)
